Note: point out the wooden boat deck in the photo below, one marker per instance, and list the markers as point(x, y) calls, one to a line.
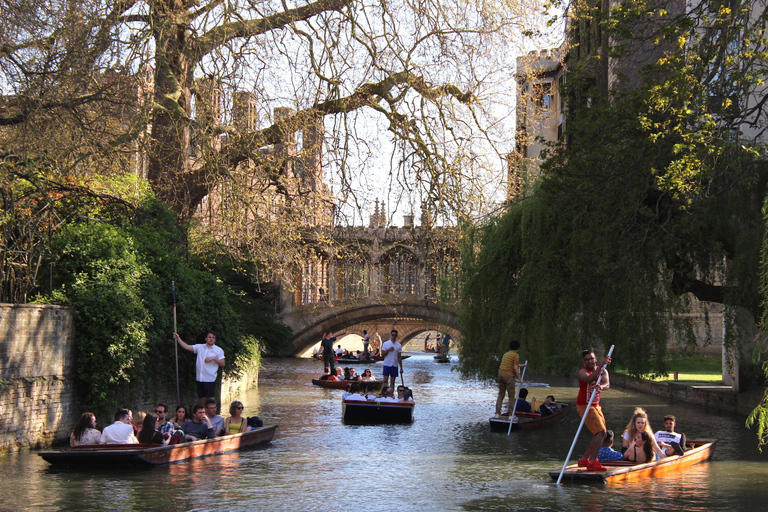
point(530, 421)
point(621, 471)
point(342, 384)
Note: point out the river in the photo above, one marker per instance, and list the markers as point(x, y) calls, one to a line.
point(446, 460)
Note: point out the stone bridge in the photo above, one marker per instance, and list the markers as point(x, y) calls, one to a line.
point(409, 315)
point(355, 278)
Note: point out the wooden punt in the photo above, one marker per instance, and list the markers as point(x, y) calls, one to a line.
point(355, 412)
point(530, 420)
point(356, 361)
point(342, 384)
point(381, 358)
point(118, 455)
point(623, 471)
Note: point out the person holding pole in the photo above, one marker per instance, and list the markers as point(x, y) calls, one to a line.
point(509, 369)
point(209, 359)
point(591, 379)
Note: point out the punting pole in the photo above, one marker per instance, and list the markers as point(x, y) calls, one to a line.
point(514, 407)
point(581, 424)
point(175, 344)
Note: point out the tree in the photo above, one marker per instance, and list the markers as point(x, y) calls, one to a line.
point(653, 197)
point(423, 67)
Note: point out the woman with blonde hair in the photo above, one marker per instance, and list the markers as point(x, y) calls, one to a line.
point(235, 424)
point(639, 423)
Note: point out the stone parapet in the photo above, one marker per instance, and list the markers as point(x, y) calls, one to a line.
point(711, 396)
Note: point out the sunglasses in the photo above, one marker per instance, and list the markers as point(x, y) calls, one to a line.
point(159, 412)
point(240, 408)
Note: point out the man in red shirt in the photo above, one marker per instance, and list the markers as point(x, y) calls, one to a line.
point(590, 380)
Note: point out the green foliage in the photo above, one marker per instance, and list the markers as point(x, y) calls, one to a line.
point(103, 278)
point(118, 278)
point(652, 195)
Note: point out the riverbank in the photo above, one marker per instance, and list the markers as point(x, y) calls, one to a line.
point(710, 396)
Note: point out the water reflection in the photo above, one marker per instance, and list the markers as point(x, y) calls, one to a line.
point(446, 460)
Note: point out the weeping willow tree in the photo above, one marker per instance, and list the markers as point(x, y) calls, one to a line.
point(651, 200)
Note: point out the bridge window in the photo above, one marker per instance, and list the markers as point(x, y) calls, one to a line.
point(442, 275)
point(353, 276)
point(398, 269)
point(312, 280)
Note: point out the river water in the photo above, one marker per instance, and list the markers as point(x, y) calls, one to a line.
point(446, 460)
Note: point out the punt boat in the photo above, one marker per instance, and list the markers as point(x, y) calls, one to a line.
point(342, 384)
point(117, 455)
point(354, 360)
point(622, 471)
point(381, 358)
point(356, 412)
point(529, 420)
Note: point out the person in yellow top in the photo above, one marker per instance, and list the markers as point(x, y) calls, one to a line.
point(508, 370)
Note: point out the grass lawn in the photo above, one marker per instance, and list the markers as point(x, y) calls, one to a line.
point(699, 368)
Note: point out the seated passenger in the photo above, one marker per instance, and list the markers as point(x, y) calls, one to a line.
point(354, 393)
point(235, 424)
point(387, 395)
point(199, 427)
point(353, 374)
point(606, 453)
point(550, 407)
point(639, 423)
point(369, 394)
point(216, 420)
point(85, 431)
point(672, 442)
point(137, 421)
point(404, 394)
point(640, 449)
point(121, 431)
point(367, 376)
point(181, 416)
point(339, 351)
point(148, 434)
point(326, 373)
point(522, 404)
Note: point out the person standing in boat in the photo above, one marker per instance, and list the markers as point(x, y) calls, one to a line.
point(590, 379)
point(209, 359)
point(392, 351)
point(509, 369)
point(366, 343)
point(329, 356)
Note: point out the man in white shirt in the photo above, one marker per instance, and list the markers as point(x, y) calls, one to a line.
point(392, 351)
point(121, 431)
point(387, 392)
point(354, 393)
point(209, 359)
point(672, 442)
point(216, 421)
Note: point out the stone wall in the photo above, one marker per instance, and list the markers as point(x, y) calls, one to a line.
point(37, 376)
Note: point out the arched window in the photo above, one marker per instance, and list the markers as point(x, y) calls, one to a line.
point(312, 279)
point(353, 274)
point(398, 271)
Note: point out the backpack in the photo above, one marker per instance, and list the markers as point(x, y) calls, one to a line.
point(254, 422)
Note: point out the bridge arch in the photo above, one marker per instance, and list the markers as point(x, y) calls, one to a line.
point(436, 318)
